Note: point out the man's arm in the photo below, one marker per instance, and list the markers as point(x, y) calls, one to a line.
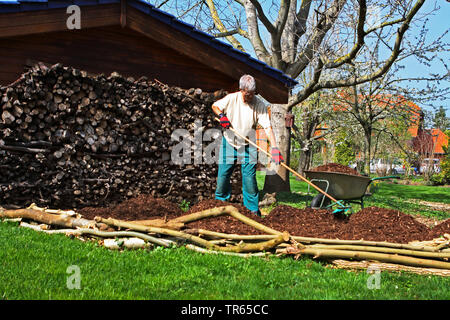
point(224, 122)
point(275, 152)
point(216, 110)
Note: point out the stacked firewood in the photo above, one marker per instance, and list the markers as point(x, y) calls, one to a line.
point(69, 139)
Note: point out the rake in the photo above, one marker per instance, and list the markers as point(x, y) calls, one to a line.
point(342, 209)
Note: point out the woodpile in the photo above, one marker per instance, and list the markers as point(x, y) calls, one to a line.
point(423, 258)
point(69, 140)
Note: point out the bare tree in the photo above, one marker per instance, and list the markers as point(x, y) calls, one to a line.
point(313, 42)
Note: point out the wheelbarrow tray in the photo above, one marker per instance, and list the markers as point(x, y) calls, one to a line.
point(342, 186)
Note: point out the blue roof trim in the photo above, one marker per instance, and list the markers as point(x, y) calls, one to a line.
point(7, 6)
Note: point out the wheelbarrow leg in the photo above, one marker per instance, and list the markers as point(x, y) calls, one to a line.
point(320, 197)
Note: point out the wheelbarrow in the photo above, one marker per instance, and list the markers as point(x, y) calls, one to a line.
point(342, 186)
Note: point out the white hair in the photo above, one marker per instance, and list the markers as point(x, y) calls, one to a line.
point(247, 82)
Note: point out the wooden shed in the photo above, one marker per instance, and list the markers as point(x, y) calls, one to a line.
point(130, 37)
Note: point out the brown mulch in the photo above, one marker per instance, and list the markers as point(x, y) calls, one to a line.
point(380, 224)
point(440, 229)
point(142, 207)
point(370, 224)
point(304, 222)
point(336, 167)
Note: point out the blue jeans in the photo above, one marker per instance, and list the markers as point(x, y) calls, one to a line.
point(227, 162)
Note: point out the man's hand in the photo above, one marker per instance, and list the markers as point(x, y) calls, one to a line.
point(276, 156)
point(224, 122)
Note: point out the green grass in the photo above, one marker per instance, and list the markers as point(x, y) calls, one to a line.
point(405, 198)
point(34, 266)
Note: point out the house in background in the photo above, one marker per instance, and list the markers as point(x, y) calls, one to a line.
point(428, 143)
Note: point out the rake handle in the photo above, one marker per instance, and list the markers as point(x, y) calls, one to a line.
point(282, 164)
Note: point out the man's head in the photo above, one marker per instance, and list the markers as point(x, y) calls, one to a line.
point(247, 85)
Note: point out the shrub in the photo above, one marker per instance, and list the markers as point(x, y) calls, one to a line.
point(443, 177)
point(439, 179)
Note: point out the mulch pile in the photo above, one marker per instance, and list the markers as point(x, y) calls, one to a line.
point(379, 224)
point(336, 167)
point(142, 207)
point(371, 224)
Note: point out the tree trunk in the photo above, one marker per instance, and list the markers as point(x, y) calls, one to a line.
point(278, 179)
point(368, 146)
point(304, 161)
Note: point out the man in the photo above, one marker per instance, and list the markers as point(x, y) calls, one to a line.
point(242, 110)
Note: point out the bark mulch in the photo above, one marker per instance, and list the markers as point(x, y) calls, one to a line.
point(142, 207)
point(371, 224)
point(380, 224)
point(336, 167)
point(440, 229)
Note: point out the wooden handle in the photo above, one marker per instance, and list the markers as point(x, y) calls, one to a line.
point(282, 164)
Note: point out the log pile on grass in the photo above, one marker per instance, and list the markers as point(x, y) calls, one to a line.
point(430, 257)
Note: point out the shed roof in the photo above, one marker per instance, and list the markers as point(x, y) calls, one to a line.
point(265, 75)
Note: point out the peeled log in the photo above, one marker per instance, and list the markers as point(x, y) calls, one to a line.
point(160, 223)
point(48, 218)
point(361, 255)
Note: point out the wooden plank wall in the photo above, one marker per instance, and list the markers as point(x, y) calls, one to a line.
point(34, 22)
point(140, 46)
point(108, 49)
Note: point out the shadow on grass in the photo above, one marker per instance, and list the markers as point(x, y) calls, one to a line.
point(292, 199)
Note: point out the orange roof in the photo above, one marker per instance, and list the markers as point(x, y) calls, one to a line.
point(440, 139)
point(385, 100)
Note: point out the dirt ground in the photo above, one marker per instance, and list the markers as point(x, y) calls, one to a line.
point(372, 224)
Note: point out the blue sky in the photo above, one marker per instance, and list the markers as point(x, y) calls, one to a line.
point(437, 25)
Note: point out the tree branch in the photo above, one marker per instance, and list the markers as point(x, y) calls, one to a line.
point(329, 84)
point(269, 26)
point(360, 34)
point(221, 27)
point(383, 25)
point(280, 24)
point(324, 24)
point(253, 32)
point(232, 32)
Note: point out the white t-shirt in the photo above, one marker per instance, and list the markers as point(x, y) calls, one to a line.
point(243, 116)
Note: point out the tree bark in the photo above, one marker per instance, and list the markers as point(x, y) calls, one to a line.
point(361, 255)
point(278, 179)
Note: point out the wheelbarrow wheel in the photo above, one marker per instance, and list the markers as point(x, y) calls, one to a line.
point(317, 201)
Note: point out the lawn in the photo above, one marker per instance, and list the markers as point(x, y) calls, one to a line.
point(385, 194)
point(39, 266)
point(36, 266)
